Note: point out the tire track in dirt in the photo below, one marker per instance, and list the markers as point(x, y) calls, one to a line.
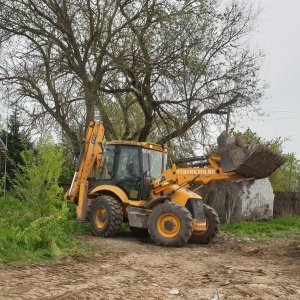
point(133, 269)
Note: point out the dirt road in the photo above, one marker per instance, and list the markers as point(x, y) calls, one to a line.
point(129, 268)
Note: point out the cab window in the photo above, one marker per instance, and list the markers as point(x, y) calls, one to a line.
point(128, 171)
point(106, 171)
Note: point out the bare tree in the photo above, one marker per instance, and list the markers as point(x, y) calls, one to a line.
point(196, 67)
point(150, 69)
point(56, 56)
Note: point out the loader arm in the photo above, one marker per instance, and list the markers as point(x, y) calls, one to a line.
point(210, 171)
point(89, 162)
point(201, 169)
point(238, 160)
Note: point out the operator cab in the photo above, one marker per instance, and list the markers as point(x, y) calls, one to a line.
point(131, 166)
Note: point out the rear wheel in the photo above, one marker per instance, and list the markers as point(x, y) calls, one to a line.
point(170, 224)
point(106, 216)
point(212, 227)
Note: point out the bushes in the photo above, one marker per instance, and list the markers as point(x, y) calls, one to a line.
point(33, 217)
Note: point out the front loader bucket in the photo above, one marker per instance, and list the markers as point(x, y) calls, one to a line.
point(250, 159)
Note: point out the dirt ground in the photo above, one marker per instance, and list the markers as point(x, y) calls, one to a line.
point(131, 268)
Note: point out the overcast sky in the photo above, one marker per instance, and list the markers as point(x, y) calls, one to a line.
point(278, 34)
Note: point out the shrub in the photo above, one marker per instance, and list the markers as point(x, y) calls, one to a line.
point(34, 218)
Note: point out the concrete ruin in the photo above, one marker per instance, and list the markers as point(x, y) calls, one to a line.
point(245, 200)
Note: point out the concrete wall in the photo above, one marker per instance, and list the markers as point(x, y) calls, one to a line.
point(257, 200)
point(244, 200)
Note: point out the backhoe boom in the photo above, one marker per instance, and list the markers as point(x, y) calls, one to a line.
point(88, 162)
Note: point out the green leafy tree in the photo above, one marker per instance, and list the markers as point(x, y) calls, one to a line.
point(36, 185)
point(287, 177)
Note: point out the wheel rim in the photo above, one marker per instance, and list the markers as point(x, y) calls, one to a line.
point(168, 225)
point(100, 217)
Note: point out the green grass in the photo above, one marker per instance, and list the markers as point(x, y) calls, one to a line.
point(285, 226)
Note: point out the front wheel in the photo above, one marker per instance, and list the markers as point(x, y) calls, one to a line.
point(106, 216)
point(212, 227)
point(170, 224)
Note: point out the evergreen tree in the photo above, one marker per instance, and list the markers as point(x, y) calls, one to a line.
point(16, 139)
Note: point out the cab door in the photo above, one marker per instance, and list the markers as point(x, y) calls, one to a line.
point(128, 171)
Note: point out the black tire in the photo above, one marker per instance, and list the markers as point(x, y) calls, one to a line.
point(106, 216)
point(212, 227)
point(170, 224)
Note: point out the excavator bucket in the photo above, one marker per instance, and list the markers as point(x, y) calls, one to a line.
point(250, 159)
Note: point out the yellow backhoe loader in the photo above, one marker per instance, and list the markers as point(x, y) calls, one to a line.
point(137, 183)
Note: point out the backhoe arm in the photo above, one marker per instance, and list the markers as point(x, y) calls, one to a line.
point(88, 162)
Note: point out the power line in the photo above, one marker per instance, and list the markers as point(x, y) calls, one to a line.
point(280, 102)
point(283, 111)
